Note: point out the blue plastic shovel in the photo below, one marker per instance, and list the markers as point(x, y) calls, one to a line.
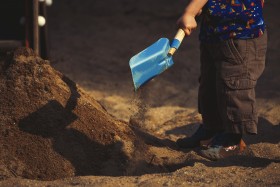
point(154, 60)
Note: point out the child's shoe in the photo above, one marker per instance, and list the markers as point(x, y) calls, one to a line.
point(201, 137)
point(223, 146)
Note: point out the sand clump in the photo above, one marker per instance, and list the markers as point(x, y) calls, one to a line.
point(50, 128)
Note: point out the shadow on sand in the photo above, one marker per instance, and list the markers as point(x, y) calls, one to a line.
point(87, 156)
point(267, 133)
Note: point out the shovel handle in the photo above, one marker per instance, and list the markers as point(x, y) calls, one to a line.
point(176, 41)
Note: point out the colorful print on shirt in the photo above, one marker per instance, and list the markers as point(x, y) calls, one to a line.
point(224, 19)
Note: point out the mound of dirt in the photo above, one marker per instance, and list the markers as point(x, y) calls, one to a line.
point(50, 128)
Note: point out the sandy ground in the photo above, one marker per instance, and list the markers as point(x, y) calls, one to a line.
point(92, 42)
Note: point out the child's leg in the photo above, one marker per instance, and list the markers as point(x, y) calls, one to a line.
point(207, 101)
point(207, 95)
point(239, 64)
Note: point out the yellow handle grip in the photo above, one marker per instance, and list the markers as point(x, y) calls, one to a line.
point(176, 41)
point(180, 35)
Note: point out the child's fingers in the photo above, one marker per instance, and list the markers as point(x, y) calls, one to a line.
point(187, 31)
point(181, 25)
point(187, 23)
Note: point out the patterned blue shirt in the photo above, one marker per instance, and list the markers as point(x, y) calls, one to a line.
point(224, 19)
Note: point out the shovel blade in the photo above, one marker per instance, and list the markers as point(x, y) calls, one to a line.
point(150, 62)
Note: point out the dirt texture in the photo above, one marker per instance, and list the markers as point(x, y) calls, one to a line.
point(51, 129)
point(104, 123)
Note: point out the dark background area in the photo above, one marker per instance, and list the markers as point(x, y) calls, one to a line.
point(92, 42)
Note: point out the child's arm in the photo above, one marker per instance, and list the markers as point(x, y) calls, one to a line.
point(187, 20)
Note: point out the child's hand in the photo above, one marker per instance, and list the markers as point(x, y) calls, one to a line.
point(187, 22)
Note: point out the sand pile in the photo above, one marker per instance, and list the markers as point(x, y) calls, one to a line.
point(50, 128)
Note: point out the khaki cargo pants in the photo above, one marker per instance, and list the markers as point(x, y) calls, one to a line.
point(229, 73)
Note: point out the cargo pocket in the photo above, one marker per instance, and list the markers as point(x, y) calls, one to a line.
point(233, 59)
point(235, 50)
point(240, 84)
point(238, 49)
point(240, 100)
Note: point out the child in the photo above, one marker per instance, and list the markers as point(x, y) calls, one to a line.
point(233, 48)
